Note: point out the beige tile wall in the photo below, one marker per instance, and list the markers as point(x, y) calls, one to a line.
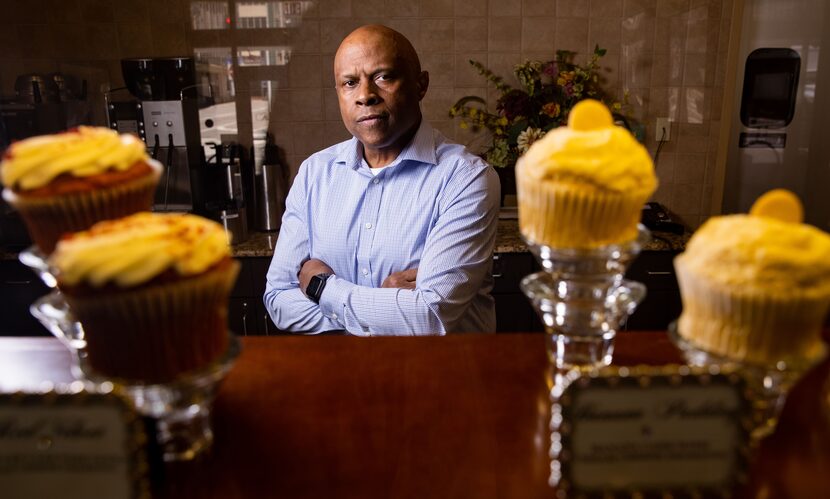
point(667, 55)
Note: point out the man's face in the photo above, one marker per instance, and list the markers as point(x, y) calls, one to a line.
point(379, 90)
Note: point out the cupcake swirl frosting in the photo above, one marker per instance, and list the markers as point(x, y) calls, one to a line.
point(761, 254)
point(133, 250)
point(81, 152)
point(593, 151)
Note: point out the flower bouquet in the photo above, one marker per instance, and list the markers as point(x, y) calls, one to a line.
point(523, 115)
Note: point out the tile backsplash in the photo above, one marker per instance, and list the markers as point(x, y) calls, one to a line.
point(667, 56)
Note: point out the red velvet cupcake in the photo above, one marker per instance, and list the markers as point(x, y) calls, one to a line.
point(151, 291)
point(68, 181)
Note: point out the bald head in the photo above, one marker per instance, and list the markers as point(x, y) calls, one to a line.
point(379, 88)
point(377, 35)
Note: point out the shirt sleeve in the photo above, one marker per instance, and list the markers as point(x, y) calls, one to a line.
point(456, 259)
point(286, 303)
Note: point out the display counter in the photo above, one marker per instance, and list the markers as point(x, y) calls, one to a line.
point(464, 416)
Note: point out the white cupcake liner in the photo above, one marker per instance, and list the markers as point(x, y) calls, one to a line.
point(747, 326)
point(566, 215)
point(155, 333)
point(49, 218)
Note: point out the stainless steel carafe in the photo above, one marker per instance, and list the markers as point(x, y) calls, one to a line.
point(270, 194)
point(233, 219)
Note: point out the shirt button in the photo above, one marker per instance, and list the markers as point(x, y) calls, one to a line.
point(365, 271)
point(368, 226)
point(375, 181)
point(334, 316)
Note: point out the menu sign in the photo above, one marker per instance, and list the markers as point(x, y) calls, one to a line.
point(649, 431)
point(70, 445)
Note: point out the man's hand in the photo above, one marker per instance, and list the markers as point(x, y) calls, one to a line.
point(310, 269)
point(405, 279)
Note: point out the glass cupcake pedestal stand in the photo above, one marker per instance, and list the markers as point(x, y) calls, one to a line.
point(583, 299)
point(768, 384)
point(180, 408)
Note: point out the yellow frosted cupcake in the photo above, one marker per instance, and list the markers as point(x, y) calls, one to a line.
point(67, 181)
point(583, 186)
point(756, 287)
point(151, 291)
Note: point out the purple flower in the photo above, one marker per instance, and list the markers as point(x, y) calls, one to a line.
point(550, 69)
point(515, 103)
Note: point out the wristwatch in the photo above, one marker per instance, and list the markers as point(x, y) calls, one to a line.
point(315, 286)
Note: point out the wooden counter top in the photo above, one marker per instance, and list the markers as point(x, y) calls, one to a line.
point(462, 416)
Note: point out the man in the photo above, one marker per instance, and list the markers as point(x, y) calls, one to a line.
point(391, 232)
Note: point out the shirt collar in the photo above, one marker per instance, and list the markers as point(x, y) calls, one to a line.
point(421, 148)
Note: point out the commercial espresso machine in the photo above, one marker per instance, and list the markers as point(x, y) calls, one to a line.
point(160, 103)
point(163, 110)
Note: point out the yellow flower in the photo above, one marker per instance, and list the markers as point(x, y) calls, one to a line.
point(551, 109)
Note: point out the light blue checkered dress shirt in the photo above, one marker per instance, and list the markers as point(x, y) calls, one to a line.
point(435, 208)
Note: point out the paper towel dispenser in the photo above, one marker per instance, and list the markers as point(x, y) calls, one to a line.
point(770, 86)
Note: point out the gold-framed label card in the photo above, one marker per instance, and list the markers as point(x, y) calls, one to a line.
point(670, 431)
point(71, 441)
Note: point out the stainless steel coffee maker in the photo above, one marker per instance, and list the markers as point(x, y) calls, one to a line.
point(43, 104)
point(162, 108)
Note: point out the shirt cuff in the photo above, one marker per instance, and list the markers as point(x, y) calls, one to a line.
point(333, 299)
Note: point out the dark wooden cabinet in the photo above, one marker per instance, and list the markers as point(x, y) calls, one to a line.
point(246, 311)
point(655, 269)
point(19, 288)
point(242, 316)
point(662, 304)
point(514, 313)
point(259, 267)
point(247, 315)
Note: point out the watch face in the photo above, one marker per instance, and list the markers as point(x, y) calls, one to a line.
point(315, 287)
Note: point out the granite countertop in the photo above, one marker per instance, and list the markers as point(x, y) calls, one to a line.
point(508, 240)
point(257, 244)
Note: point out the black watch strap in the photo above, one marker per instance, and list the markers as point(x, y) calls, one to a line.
point(315, 287)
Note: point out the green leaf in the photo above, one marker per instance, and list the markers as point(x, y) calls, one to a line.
point(550, 126)
point(515, 129)
point(493, 78)
point(468, 99)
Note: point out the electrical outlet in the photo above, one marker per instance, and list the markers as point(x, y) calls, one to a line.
point(662, 124)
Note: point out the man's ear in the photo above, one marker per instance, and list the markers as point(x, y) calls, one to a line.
point(423, 84)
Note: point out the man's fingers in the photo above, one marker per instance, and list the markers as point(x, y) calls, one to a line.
point(404, 279)
point(410, 274)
